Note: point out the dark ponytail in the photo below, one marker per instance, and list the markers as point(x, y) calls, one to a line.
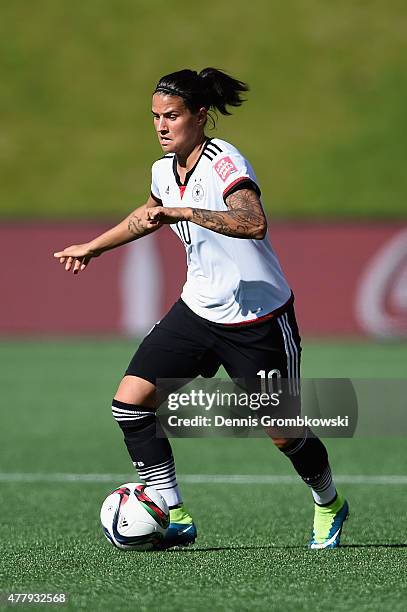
point(223, 90)
point(211, 89)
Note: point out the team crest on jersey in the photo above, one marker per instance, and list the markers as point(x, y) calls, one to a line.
point(198, 192)
point(225, 167)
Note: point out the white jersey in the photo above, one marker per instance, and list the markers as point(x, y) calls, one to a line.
point(229, 280)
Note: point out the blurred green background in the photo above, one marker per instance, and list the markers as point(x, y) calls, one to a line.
point(324, 125)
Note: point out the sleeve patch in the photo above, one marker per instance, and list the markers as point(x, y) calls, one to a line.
point(225, 167)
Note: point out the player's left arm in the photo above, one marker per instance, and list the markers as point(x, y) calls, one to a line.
point(244, 218)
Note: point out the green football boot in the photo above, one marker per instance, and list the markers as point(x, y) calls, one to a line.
point(328, 523)
point(181, 530)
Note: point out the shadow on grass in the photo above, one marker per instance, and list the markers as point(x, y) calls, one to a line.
point(200, 549)
point(275, 547)
point(374, 545)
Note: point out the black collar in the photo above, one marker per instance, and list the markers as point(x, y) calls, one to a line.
point(190, 172)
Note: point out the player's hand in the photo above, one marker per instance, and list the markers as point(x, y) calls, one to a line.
point(161, 214)
point(76, 257)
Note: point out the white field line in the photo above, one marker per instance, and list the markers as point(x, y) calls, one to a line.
point(247, 479)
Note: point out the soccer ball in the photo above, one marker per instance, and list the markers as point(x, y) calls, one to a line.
point(134, 517)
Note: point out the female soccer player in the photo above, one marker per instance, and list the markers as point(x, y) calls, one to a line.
point(236, 308)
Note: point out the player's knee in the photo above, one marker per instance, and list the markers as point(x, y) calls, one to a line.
point(136, 391)
point(282, 443)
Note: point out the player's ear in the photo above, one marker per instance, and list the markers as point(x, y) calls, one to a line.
point(202, 116)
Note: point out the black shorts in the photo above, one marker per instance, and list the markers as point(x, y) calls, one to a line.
point(183, 346)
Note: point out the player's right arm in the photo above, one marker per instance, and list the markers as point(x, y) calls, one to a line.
point(134, 226)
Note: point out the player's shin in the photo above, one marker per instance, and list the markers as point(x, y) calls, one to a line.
point(149, 449)
point(310, 459)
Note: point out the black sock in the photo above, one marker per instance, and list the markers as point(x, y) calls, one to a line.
point(310, 459)
point(148, 448)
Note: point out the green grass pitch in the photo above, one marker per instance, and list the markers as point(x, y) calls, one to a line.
point(251, 552)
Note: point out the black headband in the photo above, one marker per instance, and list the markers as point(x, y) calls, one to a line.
point(169, 90)
point(174, 91)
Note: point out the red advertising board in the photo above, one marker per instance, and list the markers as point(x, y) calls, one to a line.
point(348, 279)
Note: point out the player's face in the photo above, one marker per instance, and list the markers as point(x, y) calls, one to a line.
point(178, 129)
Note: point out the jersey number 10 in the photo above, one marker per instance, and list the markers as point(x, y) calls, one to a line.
point(270, 381)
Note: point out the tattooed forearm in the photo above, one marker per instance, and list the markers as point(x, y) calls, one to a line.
point(135, 226)
point(244, 219)
point(232, 223)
